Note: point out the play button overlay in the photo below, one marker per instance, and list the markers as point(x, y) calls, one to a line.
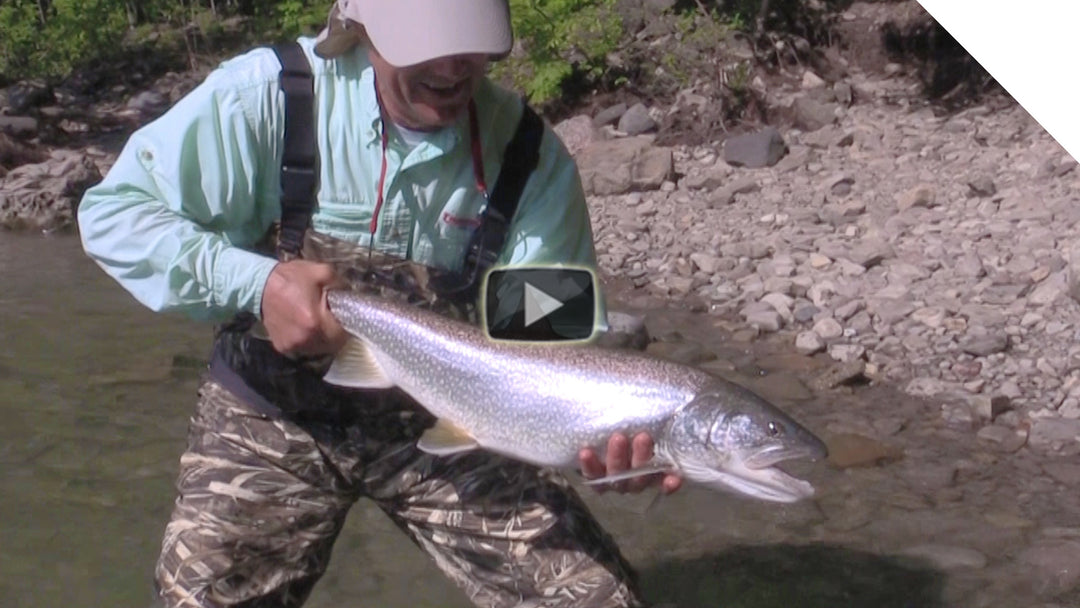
point(539, 304)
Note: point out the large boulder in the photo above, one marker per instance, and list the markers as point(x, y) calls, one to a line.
point(623, 165)
point(43, 196)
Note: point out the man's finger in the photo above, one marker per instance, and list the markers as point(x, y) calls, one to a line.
point(642, 451)
point(670, 484)
point(618, 459)
point(591, 468)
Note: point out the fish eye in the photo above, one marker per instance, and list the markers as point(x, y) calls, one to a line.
point(775, 430)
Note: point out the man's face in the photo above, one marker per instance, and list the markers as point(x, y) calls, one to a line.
point(430, 95)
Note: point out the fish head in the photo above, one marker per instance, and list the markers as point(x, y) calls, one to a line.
point(729, 438)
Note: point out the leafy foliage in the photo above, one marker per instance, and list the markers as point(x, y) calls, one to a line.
point(556, 40)
point(48, 38)
point(562, 46)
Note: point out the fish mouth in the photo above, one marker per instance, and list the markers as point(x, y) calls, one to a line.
point(765, 483)
point(755, 474)
point(771, 455)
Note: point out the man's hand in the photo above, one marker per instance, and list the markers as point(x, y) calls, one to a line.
point(621, 456)
point(295, 312)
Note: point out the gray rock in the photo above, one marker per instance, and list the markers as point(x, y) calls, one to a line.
point(1003, 438)
point(43, 196)
point(948, 557)
point(919, 196)
point(609, 115)
point(1066, 473)
point(982, 186)
point(148, 103)
point(804, 311)
point(27, 95)
point(1054, 564)
point(576, 133)
point(763, 316)
point(636, 120)
point(755, 150)
point(828, 328)
point(620, 165)
point(847, 353)
point(809, 343)
point(711, 178)
point(811, 115)
point(687, 353)
point(22, 127)
point(726, 195)
point(1055, 434)
point(840, 374)
point(981, 345)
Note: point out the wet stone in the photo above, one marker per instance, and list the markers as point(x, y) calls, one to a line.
point(848, 450)
point(840, 374)
point(809, 343)
point(1065, 473)
point(1002, 438)
point(687, 353)
point(1055, 565)
point(780, 387)
point(948, 557)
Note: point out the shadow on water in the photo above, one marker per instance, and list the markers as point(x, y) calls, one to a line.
point(808, 576)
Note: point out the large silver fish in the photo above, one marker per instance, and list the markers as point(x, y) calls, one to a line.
point(543, 403)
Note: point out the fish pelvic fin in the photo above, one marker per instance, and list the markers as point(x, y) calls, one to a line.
point(355, 367)
point(446, 438)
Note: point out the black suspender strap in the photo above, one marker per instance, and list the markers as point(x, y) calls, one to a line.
point(298, 159)
point(520, 158)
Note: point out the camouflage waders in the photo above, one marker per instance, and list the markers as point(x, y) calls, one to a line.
point(276, 457)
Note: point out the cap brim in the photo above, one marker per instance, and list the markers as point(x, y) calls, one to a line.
point(337, 37)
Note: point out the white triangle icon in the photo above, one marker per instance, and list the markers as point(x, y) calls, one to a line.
point(538, 304)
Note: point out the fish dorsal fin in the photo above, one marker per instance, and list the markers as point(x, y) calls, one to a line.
point(446, 438)
point(355, 367)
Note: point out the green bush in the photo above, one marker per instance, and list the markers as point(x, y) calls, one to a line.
point(47, 38)
point(557, 39)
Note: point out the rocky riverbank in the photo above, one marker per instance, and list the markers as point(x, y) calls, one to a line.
point(935, 251)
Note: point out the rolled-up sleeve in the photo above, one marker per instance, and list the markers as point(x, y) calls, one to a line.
point(188, 193)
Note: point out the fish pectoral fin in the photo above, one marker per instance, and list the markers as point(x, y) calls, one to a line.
point(632, 473)
point(446, 438)
point(355, 367)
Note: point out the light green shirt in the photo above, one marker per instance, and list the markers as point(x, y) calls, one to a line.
point(191, 192)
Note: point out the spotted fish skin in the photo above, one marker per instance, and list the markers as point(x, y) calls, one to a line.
point(543, 403)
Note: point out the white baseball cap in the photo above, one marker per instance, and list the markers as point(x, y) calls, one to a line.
point(408, 32)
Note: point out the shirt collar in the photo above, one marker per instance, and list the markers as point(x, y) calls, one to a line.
point(440, 142)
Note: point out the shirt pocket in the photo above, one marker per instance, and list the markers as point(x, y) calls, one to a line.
point(453, 231)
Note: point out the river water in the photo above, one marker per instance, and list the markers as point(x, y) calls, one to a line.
point(95, 393)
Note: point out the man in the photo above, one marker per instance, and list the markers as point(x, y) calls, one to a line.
point(407, 131)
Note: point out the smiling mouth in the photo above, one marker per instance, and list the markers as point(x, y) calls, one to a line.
point(447, 92)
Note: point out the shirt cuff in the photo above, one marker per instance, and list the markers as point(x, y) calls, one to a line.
point(239, 279)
